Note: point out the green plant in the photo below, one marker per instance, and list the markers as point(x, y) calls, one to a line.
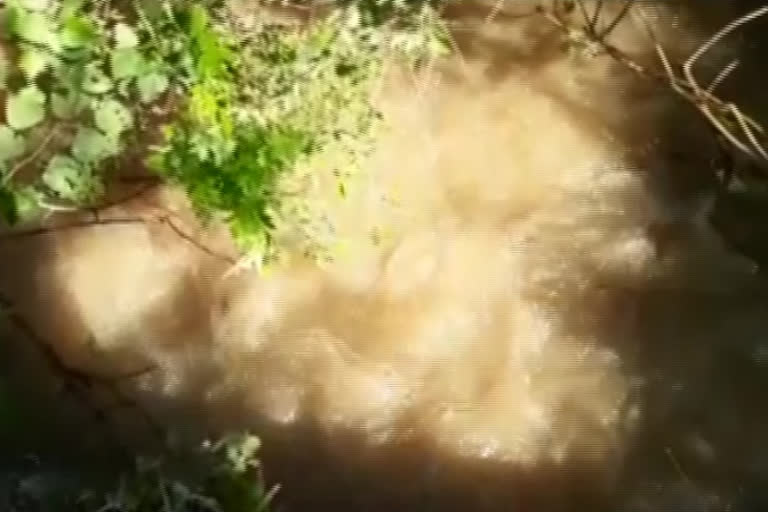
point(236, 481)
point(75, 79)
point(261, 112)
point(301, 110)
point(227, 477)
point(232, 482)
point(227, 167)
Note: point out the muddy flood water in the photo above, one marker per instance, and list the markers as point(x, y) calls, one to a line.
point(530, 311)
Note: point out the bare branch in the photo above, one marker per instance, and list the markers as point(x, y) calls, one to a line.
point(722, 75)
point(619, 17)
point(47, 230)
point(748, 132)
point(32, 157)
point(725, 117)
point(728, 134)
point(495, 10)
point(586, 16)
point(75, 380)
point(163, 218)
point(711, 42)
point(196, 243)
point(666, 65)
point(596, 15)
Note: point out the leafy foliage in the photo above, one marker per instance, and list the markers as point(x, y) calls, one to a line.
point(262, 109)
point(301, 107)
point(71, 94)
point(233, 483)
point(229, 479)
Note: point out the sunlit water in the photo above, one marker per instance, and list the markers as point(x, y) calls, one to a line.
point(503, 325)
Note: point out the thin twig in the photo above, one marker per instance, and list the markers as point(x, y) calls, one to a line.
point(725, 132)
point(722, 75)
point(163, 218)
point(730, 27)
point(619, 17)
point(56, 207)
point(74, 380)
point(196, 243)
point(715, 110)
point(21, 323)
point(268, 498)
point(647, 24)
point(748, 132)
point(32, 157)
point(596, 15)
point(126, 198)
point(164, 494)
point(48, 230)
point(705, 108)
point(586, 16)
point(677, 466)
point(667, 66)
point(495, 10)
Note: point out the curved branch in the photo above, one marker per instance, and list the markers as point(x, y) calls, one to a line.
point(723, 116)
point(164, 218)
point(47, 230)
point(712, 41)
point(32, 157)
point(77, 381)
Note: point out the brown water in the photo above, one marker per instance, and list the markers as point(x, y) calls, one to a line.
point(518, 335)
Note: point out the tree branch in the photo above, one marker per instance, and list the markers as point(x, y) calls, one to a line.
point(725, 117)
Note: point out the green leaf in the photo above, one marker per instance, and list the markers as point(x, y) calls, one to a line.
point(91, 145)
point(123, 89)
point(35, 5)
point(71, 75)
point(78, 32)
point(95, 81)
point(71, 7)
point(61, 106)
point(62, 176)
point(8, 207)
point(4, 68)
point(112, 117)
point(125, 63)
point(198, 21)
point(33, 62)
point(151, 86)
point(67, 106)
point(27, 203)
point(125, 36)
point(25, 109)
point(34, 27)
point(11, 145)
point(17, 205)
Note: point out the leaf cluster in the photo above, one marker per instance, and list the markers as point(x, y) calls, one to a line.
point(225, 476)
point(274, 109)
point(75, 79)
point(262, 110)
